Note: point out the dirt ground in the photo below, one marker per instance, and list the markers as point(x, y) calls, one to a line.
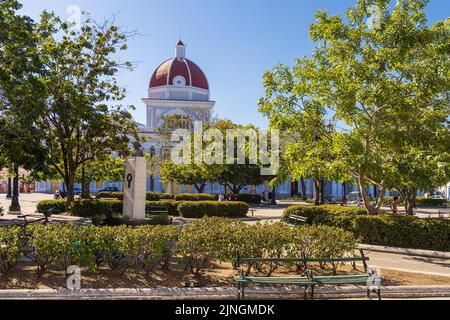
point(23, 276)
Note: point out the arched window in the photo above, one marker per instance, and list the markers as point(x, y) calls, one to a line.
point(166, 154)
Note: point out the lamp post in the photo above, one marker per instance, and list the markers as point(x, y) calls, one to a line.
point(9, 187)
point(14, 208)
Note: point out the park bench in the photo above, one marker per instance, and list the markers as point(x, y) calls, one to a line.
point(308, 280)
point(294, 219)
point(444, 215)
point(156, 211)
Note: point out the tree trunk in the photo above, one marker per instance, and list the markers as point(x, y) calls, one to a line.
point(15, 206)
point(316, 192)
point(362, 188)
point(69, 183)
point(85, 192)
point(302, 182)
point(409, 195)
point(322, 191)
point(201, 188)
point(380, 202)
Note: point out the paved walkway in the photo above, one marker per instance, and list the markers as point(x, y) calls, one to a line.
point(402, 262)
point(28, 203)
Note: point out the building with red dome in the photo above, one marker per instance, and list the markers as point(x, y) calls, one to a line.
point(178, 86)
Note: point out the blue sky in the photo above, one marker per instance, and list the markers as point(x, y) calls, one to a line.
point(233, 41)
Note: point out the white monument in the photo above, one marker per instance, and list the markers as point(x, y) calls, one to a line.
point(135, 186)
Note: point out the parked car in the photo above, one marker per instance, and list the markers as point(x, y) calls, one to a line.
point(438, 197)
point(110, 189)
point(354, 198)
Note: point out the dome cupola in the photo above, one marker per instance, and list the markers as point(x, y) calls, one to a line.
point(179, 73)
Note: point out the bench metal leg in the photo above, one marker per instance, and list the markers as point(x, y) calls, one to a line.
point(239, 291)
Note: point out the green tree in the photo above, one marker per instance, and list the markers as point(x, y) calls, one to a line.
point(82, 118)
point(20, 90)
point(386, 83)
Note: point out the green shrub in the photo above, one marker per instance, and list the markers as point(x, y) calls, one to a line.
point(202, 209)
point(195, 197)
point(109, 195)
point(157, 246)
point(170, 206)
point(385, 229)
point(59, 205)
point(422, 201)
point(154, 196)
point(92, 208)
point(11, 245)
point(321, 214)
point(150, 196)
point(45, 242)
point(249, 198)
point(198, 243)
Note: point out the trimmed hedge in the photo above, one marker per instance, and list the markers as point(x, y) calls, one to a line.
point(150, 196)
point(202, 209)
point(92, 208)
point(422, 201)
point(60, 205)
point(195, 197)
point(162, 220)
point(384, 229)
point(249, 198)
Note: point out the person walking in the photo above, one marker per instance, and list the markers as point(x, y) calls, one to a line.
point(269, 198)
point(394, 206)
point(344, 200)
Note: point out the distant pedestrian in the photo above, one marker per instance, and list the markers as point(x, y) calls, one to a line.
point(344, 200)
point(394, 206)
point(269, 198)
point(221, 197)
point(107, 218)
point(57, 195)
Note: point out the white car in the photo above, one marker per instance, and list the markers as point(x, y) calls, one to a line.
point(438, 197)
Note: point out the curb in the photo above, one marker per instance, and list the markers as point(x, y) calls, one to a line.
point(224, 293)
point(411, 252)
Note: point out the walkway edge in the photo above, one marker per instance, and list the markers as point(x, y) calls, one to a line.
point(224, 293)
point(411, 252)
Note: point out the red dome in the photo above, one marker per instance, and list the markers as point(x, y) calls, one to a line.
point(168, 70)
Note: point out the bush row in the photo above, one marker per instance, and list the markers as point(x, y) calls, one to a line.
point(151, 196)
point(249, 198)
point(383, 229)
point(187, 209)
point(422, 201)
point(213, 209)
point(151, 247)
